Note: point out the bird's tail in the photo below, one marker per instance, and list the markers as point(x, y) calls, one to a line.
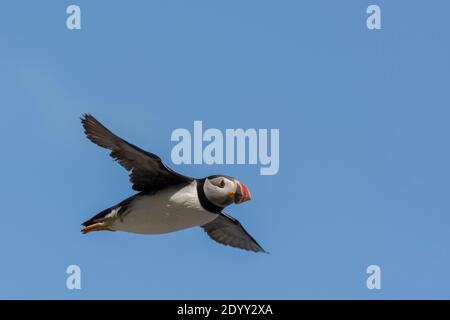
point(104, 220)
point(101, 221)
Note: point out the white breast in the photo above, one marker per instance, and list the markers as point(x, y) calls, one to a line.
point(166, 211)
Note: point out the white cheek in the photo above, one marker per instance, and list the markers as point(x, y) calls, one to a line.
point(219, 196)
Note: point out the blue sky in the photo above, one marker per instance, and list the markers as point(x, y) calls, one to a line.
point(364, 158)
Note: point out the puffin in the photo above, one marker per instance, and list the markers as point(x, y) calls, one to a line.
point(167, 201)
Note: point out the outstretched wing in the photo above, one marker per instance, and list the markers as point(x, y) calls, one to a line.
point(228, 231)
point(147, 171)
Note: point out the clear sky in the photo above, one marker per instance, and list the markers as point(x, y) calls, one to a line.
point(364, 154)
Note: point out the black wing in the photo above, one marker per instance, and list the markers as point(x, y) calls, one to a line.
point(228, 231)
point(147, 171)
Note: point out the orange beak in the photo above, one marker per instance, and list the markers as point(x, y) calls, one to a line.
point(242, 194)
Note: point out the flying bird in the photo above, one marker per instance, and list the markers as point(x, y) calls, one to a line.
point(168, 201)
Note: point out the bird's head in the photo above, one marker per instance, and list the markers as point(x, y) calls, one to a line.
point(223, 191)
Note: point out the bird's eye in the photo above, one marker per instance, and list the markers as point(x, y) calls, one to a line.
point(222, 183)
